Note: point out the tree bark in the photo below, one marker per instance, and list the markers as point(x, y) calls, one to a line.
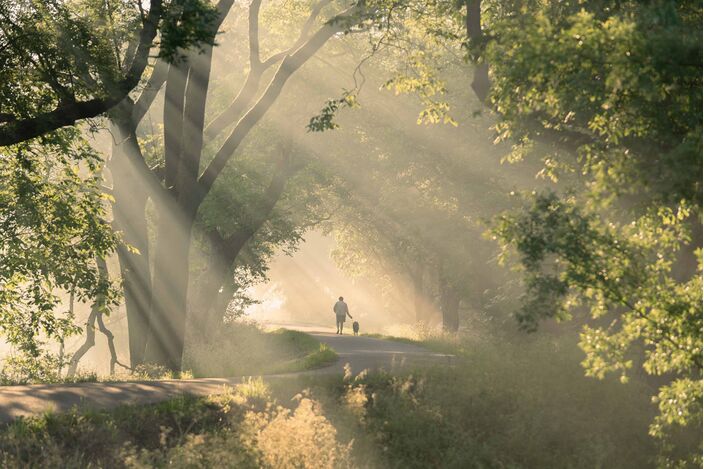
point(95, 310)
point(422, 301)
point(184, 117)
point(480, 82)
point(449, 301)
point(169, 287)
point(130, 194)
point(450, 306)
point(86, 345)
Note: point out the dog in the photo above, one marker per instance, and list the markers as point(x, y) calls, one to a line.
point(355, 328)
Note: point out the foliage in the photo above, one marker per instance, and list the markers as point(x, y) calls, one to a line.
point(186, 24)
point(65, 52)
point(621, 90)
point(42, 369)
point(324, 121)
point(570, 260)
point(52, 229)
point(57, 51)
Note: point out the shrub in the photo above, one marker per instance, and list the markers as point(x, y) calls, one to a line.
point(524, 403)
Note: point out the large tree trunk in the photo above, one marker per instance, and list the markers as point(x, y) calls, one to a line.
point(183, 130)
point(130, 194)
point(170, 288)
point(212, 285)
point(184, 120)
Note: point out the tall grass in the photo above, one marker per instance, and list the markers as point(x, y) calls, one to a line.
point(523, 402)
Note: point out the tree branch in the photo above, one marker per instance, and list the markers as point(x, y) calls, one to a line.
point(254, 33)
point(289, 65)
point(151, 89)
point(257, 68)
point(67, 113)
point(111, 345)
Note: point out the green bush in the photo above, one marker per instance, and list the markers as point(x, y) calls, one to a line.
point(523, 403)
point(24, 368)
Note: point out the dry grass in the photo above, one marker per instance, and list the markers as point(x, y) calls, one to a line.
point(241, 428)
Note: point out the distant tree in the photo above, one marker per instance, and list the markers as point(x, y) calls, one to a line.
point(416, 210)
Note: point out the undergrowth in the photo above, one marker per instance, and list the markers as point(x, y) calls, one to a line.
point(240, 428)
point(521, 401)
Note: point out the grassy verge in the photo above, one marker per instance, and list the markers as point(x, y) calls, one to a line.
point(508, 402)
point(437, 342)
point(245, 349)
point(239, 349)
point(405, 340)
point(241, 428)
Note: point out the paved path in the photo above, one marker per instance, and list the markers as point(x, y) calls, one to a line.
point(360, 352)
point(365, 352)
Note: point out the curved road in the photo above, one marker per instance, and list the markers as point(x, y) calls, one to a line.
point(359, 352)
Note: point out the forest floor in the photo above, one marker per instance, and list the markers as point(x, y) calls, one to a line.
point(354, 352)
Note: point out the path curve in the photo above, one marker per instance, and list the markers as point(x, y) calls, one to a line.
point(369, 353)
point(359, 352)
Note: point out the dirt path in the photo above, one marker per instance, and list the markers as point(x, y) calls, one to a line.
point(359, 352)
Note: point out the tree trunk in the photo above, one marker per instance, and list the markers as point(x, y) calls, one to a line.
point(473, 24)
point(216, 285)
point(170, 287)
point(210, 287)
point(187, 190)
point(449, 300)
point(450, 306)
point(129, 218)
point(111, 344)
point(184, 110)
point(95, 311)
point(421, 300)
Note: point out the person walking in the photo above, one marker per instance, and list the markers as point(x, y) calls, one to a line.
point(341, 312)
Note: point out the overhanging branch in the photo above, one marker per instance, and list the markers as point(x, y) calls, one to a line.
point(68, 112)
